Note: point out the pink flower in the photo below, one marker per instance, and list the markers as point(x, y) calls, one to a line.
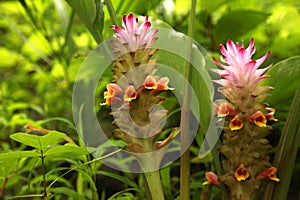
point(240, 70)
point(134, 35)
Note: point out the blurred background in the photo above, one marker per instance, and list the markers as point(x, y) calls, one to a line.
point(44, 42)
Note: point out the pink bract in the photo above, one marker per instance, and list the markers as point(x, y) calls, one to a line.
point(239, 70)
point(134, 35)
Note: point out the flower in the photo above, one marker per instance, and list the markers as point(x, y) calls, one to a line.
point(270, 115)
point(151, 83)
point(269, 173)
point(241, 173)
point(225, 109)
point(130, 93)
point(259, 119)
point(240, 71)
point(236, 124)
point(212, 178)
point(134, 35)
point(162, 84)
point(112, 91)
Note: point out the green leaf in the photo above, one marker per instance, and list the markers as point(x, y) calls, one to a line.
point(200, 80)
point(238, 23)
point(66, 151)
point(285, 78)
point(286, 153)
point(91, 14)
point(67, 192)
point(38, 142)
point(18, 154)
point(123, 179)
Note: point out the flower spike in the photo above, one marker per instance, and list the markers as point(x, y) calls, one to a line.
point(244, 117)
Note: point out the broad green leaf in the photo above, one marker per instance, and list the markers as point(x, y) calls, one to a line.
point(200, 80)
point(285, 79)
point(66, 151)
point(91, 14)
point(38, 142)
point(8, 161)
point(237, 23)
point(212, 5)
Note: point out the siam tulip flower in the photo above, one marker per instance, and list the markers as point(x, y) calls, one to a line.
point(134, 98)
point(245, 118)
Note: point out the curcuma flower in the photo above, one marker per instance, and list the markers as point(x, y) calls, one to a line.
point(245, 117)
point(134, 92)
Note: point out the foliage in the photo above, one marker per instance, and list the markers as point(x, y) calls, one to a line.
point(42, 46)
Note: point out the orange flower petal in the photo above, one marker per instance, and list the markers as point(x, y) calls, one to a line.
point(162, 84)
point(270, 115)
point(236, 124)
point(130, 93)
point(112, 90)
point(269, 173)
point(241, 173)
point(259, 119)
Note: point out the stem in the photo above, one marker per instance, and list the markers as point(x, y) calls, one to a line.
point(185, 116)
point(154, 184)
point(3, 186)
point(112, 12)
point(44, 174)
point(218, 166)
point(148, 162)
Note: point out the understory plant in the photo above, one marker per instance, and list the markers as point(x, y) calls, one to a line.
point(244, 118)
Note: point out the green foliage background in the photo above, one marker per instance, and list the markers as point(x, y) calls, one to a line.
point(44, 42)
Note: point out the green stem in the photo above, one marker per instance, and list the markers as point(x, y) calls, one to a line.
point(185, 115)
point(112, 12)
point(150, 163)
point(218, 166)
point(154, 185)
point(44, 174)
